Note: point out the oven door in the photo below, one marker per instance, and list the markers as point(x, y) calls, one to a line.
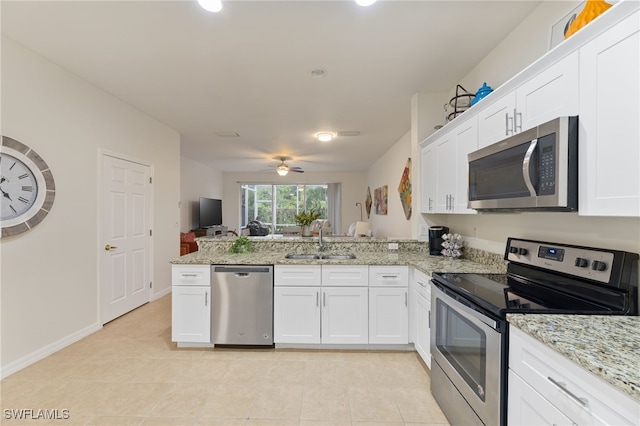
point(467, 347)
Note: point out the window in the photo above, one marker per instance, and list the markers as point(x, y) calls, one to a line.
point(276, 205)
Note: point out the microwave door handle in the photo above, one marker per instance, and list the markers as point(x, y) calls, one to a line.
point(526, 165)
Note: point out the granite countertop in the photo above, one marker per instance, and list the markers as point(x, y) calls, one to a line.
point(607, 346)
point(422, 261)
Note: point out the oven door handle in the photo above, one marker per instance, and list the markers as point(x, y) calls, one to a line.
point(526, 166)
point(458, 305)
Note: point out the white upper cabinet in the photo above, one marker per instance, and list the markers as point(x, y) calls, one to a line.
point(609, 176)
point(496, 121)
point(452, 167)
point(429, 178)
point(549, 94)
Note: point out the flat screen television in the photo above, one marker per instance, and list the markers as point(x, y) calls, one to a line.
point(210, 212)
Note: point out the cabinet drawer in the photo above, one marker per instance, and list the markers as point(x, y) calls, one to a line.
point(297, 275)
point(423, 284)
point(548, 372)
point(345, 275)
point(388, 276)
point(191, 275)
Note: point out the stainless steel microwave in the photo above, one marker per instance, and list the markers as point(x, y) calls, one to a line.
point(536, 169)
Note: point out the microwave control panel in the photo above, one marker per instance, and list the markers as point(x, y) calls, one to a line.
point(547, 164)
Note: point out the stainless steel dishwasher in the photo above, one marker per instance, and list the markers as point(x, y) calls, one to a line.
point(242, 304)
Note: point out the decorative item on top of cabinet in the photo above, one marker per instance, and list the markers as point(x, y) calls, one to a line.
point(591, 11)
point(460, 102)
point(481, 93)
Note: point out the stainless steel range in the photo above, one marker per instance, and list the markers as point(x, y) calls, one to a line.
point(469, 338)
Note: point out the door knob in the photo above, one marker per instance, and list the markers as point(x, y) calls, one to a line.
point(108, 247)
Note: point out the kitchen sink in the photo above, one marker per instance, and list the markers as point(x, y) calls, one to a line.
point(328, 256)
point(336, 256)
point(302, 256)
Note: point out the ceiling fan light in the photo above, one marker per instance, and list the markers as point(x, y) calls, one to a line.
point(282, 170)
point(325, 136)
point(365, 2)
point(211, 5)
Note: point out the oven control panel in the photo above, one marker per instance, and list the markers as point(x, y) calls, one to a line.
point(578, 261)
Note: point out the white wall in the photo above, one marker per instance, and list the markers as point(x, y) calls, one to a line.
point(353, 190)
point(528, 42)
point(49, 274)
point(196, 180)
point(387, 170)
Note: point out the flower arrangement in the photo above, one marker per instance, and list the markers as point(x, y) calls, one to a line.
point(305, 219)
point(452, 244)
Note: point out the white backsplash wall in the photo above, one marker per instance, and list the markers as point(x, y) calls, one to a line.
point(387, 170)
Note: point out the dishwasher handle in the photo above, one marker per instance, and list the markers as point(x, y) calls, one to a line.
point(243, 270)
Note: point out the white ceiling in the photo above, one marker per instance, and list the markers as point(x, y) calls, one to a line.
point(246, 69)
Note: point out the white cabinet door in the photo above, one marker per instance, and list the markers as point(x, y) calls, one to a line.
point(389, 315)
point(551, 94)
point(609, 176)
point(423, 330)
point(445, 167)
point(526, 407)
point(191, 314)
point(345, 316)
point(494, 122)
point(296, 315)
point(429, 178)
point(466, 141)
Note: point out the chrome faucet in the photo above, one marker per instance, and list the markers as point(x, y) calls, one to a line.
point(320, 242)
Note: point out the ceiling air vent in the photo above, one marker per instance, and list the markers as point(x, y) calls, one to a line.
point(349, 133)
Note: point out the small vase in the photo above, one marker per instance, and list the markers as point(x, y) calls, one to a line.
point(591, 11)
point(306, 231)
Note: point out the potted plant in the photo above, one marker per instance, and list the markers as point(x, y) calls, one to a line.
point(304, 219)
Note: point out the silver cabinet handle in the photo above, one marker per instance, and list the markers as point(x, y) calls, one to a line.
point(430, 202)
point(506, 125)
point(563, 387)
point(516, 127)
point(429, 319)
point(189, 275)
point(206, 298)
point(317, 298)
point(324, 299)
point(451, 202)
point(422, 285)
point(406, 299)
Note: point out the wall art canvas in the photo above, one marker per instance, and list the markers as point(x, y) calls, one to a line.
point(404, 189)
point(368, 202)
point(380, 196)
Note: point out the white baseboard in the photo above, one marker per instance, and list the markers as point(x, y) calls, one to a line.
point(158, 295)
point(35, 356)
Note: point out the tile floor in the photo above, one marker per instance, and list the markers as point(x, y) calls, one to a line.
point(130, 373)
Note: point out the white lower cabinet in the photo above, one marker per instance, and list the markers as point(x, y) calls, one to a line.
point(547, 388)
point(528, 408)
point(345, 317)
point(296, 315)
point(421, 298)
point(191, 303)
point(321, 304)
point(389, 315)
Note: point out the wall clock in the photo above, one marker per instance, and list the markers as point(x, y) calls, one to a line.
point(27, 187)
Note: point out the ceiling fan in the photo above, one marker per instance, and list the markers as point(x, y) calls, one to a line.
point(282, 169)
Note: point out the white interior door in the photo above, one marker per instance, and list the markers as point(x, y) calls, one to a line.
point(125, 260)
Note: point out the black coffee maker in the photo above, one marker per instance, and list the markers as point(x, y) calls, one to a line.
point(435, 239)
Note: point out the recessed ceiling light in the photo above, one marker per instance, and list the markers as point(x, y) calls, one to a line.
point(325, 136)
point(211, 5)
point(318, 73)
point(365, 2)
